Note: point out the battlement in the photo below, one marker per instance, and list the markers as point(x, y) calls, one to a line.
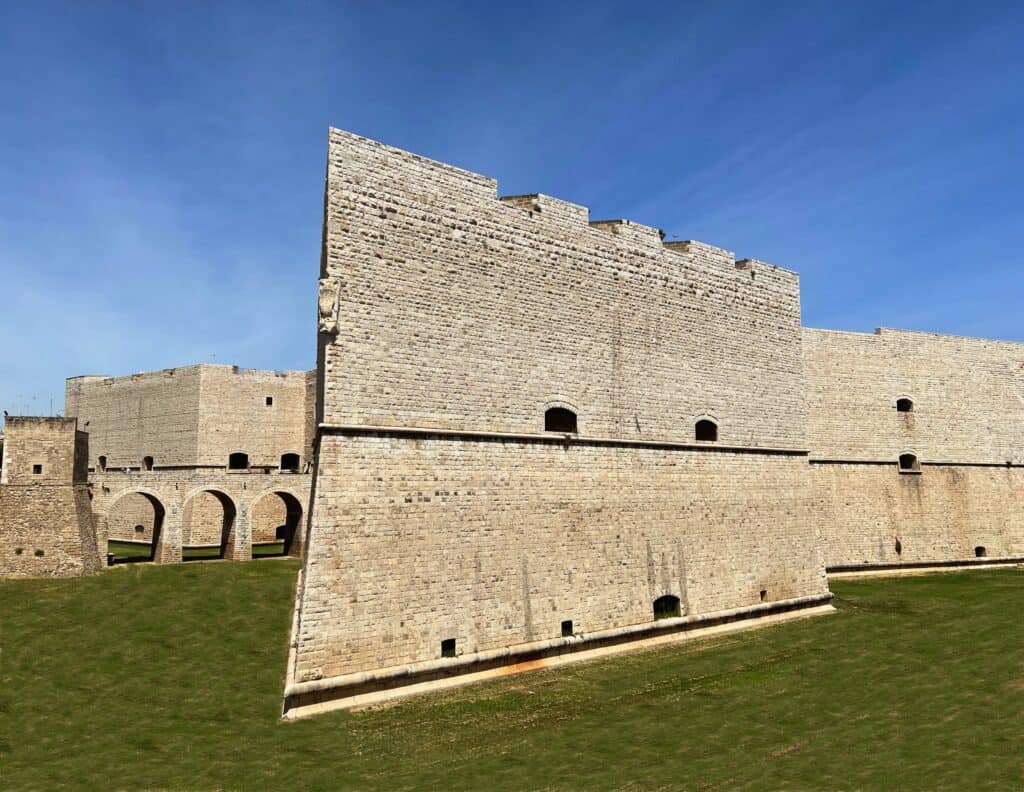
point(411, 179)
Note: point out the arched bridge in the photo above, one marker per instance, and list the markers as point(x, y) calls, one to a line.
point(177, 497)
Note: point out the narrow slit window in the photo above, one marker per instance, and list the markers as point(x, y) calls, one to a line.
point(102, 463)
point(147, 463)
point(706, 430)
point(904, 405)
point(448, 647)
point(666, 607)
point(270, 401)
point(560, 419)
point(567, 628)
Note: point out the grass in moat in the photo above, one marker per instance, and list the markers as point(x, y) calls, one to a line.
point(170, 677)
point(131, 551)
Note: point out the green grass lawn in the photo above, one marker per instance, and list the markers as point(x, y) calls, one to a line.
point(272, 549)
point(132, 551)
point(129, 550)
point(150, 677)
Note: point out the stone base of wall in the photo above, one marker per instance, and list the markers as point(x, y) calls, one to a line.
point(870, 515)
point(47, 530)
point(502, 545)
point(367, 689)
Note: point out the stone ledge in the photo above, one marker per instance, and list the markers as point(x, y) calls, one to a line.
point(551, 437)
point(922, 567)
point(362, 689)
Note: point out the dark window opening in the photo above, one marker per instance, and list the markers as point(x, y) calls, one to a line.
point(764, 594)
point(238, 461)
point(909, 463)
point(666, 607)
point(567, 628)
point(448, 647)
point(270, 401)
point(39, 553)
point(37, 469)
point(899, 547)
point(904, 405)
point(980, 552)
point(290, 462)
point(559, 419)
point(140, 529)
point(706, 430)
point(147, 463)
point(103, 463)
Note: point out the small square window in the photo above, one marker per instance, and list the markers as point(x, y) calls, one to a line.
point(448, 647)
point(37, 469)
point(270, 401)
point(567, 628)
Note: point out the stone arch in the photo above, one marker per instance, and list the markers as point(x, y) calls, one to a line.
point(275, 517)
point(209, 517)
point(705, 428)
point(152, 534)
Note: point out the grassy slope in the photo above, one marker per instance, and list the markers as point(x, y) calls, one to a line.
point(170, 678)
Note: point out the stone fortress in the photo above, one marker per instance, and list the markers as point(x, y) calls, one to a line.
point(198, 456)
point(532, 437)
point(542, 436)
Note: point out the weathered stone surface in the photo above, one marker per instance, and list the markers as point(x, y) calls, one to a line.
point(461, 312)
point(965, 426)
point(46, 524)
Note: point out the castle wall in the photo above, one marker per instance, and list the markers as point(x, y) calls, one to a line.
point(194, 416)
point(234, 415)
point(46, 525)
point(454, 319)
point(495, 543)
point(871, 514)
point(966, 428)
point(152, 414)
point(462, 311)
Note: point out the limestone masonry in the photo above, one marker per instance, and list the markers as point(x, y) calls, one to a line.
point(540, 433)
point(199, 456)
point(953, 405)
point(531, 437)
point(46, 524)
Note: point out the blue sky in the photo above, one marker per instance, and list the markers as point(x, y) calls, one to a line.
point(161, 164)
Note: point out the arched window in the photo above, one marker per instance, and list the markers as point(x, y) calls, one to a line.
point(706, 429)
point(559, 419)
point(666, 607)
point(290, 462)
point(147, 463)
point(903, 404)
point(102, 463)
point(238, 461)
point(980, 552)
point(909, 463)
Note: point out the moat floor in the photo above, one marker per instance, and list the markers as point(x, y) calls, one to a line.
point(151, 677)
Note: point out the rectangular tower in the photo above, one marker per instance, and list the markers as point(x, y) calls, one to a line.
point(46, 525)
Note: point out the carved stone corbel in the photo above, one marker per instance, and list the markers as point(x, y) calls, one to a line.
point(328, 303)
